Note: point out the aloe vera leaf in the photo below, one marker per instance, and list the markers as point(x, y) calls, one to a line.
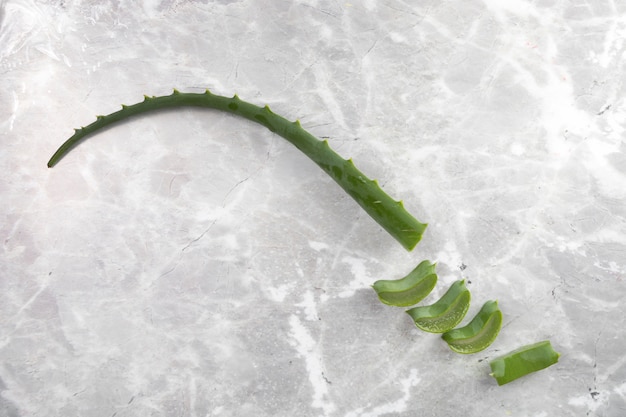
point(444, 314)
point(523, 361)
point(389, 213)
point(479, 333)
point(409, 290)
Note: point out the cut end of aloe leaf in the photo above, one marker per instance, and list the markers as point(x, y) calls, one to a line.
point(479, 333)
point(410, 238)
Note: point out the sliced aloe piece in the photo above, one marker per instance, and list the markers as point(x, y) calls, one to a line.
point(409, 290)
point(479, 333)
point(446, 313)
point(523, 361)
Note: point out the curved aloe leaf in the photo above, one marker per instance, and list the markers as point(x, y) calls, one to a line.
point(389, 213)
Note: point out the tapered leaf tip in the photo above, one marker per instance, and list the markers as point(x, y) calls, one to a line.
point(175, 92)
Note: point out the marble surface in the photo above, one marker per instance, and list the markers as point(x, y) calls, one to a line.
point(194, 264)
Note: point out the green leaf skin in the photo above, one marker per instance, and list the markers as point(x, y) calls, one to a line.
point(523, 361)
point(479, 333)
point(389, 213)
point(446, 313)
point(409, 290)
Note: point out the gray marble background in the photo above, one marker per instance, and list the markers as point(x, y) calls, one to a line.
point(194, 264)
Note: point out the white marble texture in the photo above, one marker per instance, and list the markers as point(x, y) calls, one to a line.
point(194, 264)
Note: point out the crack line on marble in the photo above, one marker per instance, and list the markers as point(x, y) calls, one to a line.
point(199, 237)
